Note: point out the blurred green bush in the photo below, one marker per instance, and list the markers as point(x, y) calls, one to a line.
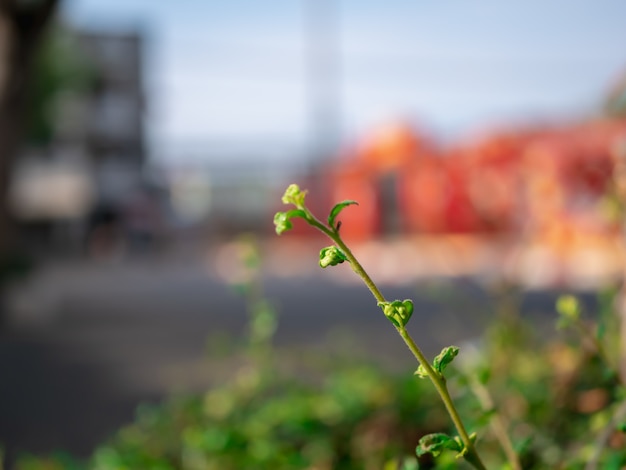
point(559, 398)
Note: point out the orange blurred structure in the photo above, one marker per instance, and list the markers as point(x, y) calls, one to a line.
point(533, 184)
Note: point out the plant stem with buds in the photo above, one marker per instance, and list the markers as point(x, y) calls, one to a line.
point(437, 379)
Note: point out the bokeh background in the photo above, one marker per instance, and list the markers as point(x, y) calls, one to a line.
point(140, 140)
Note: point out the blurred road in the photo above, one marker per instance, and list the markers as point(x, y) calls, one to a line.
point(88, 341)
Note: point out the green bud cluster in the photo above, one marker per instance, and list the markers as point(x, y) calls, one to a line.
point(398, 312)
point(331, 256)
point(294, 195)
point(282, 222)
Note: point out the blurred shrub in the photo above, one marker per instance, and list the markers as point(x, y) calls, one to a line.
point(561, 401)
point(558, 399)
point(358, 418)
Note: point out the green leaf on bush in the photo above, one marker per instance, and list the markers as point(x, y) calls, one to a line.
point(334, 212)
point(445, 357)
point(436, 443)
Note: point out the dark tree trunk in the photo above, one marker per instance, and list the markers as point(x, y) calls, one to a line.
point(22, 24)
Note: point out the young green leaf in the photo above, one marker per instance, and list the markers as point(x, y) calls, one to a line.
point(334, 212)
point(282, 220)
point(436, 443)
point(445, 357)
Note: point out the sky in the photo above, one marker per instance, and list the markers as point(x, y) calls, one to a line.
point(293, 73)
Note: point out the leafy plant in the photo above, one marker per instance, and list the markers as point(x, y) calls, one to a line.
point(397, 312)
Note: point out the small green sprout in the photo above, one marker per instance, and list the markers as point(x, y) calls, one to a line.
point(398, 312)
point(331, 256)
point(445, 357)
point(282, 220)
point(294, 195)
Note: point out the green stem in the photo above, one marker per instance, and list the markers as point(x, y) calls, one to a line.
point(436, 378)
point(440, 385)
point(354, 263)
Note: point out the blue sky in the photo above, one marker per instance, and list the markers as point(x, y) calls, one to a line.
point(238, 72)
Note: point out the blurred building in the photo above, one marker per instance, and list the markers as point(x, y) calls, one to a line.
point(113, 131)
point(93, 166)
point(546, 183)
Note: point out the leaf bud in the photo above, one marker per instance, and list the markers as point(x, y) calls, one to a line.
point(331, 256)
point(398, 312)
point(294, 195)
point(282, 222)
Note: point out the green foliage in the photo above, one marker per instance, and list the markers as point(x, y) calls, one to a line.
point(554, 399)
point(440, 362)
point(331, 256)
point(282, 220)
point(294, 195)
point(436, 443)
point(445, 357)
point(353, 420)
point(398, 312)
point(334, 212)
